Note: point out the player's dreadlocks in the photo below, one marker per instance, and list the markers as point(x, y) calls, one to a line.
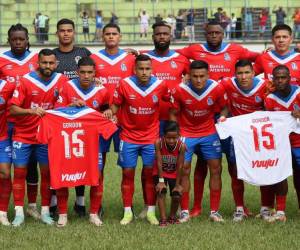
point(18, 27)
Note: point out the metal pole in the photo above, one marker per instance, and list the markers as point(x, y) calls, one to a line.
point(134, 15)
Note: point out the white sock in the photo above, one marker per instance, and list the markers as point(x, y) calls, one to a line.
point(33, 205)
point(19, 211)
point(3, 213)
point(45, 210)
point(127, 209)
point(151, 208)
point(80, 200)
point(53, 201)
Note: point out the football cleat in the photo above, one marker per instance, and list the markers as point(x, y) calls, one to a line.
point(94, 219)
point(33, 212)
point(216, 217)
point(239, 215)
point(62, 220)
point(18, 221)
point(128, 217)
point(278, 216)
point(47, 219)
point(184, 217)
point(151, 218)
point(264, 214)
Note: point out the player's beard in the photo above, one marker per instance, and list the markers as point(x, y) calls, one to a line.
point(162, 47)
point(46, 72)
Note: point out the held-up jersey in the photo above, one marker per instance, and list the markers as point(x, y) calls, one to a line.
point(94, 97)
point(6, 91)
point(242, 102)
point(33, 92)
point(275, 102)
point(266, 62)
point(197, 110)
point(222, 62)
point(170, 68)
point(169, 159)
point(72, 135)
point(139, 109)
point(261, 144)
point(110, 69)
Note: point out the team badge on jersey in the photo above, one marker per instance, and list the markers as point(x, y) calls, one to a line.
point(173, 65)
point(95, 104)
point(296, 106)
point(2, 101)
point(56, 92)
point(227, 57)
point(77, 58)
point(210, 101)
point(154, 99)
point(31, 67)
point(123, 67)
point(294, 66)
point(257, 99)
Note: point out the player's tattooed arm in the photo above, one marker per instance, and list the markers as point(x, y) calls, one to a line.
point(16, 111)
point(161, 184)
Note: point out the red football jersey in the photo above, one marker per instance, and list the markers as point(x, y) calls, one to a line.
point(95, 97)
point(140, 109)
point(112, 68)
point(275, 102)
point(33, 92)
point(222, 62)
point(170, 68)
point(266, 62)
point(242, 102)
point(72, 135)
point(6, 91)
point(197, 110)
point(169, 159)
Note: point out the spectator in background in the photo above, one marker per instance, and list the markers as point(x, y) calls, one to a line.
point(158, 18)
point(43, 26)
point(225, 23)
point(85, 26)
point(190, 27)
point(144, 23)
point(172, 22)
point(218, 15)
point(179, 24)
point(114, 19)
point(296, 19)
point(263, 18)
point(297, 47)
point(248, 21)
point(99, 25)
point(35, 24)
point(233, 21)
point(280, 15)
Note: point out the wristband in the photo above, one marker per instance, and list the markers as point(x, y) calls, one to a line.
point(161, 180)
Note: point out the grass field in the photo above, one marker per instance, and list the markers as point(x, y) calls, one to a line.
point(199, 233)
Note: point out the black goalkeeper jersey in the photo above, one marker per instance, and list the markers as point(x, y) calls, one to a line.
point(67, 61)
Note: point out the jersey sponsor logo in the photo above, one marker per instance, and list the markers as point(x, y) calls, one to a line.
point(265, 163)
point(210, 101)
point(44, 105)
point(123, 67)
point(154, 98)
point(173, 65)
point(133, 110)
point(77, 58)
point(73, 177)
point(227, 57)
point(258, 99)
point(294, 66)
point(95, 104)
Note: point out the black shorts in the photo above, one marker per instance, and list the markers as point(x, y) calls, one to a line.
point(85, 30)
point(168, 181)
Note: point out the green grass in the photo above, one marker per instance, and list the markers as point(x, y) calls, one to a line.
point(199, 233)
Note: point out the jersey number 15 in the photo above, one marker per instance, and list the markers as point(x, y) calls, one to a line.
point(73, 145)
point(263, 137)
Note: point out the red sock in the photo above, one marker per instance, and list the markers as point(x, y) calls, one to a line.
point(149, 187)
point(5, 187)
point(215, 198)
point(45, 187)
point(32, 190)
point(280, 202)
point(199, 180)
point(19, 186)
point(143, 181)
point(62, 195)
point(96, 193)
point(127, 187)
point(237, 187)
point(185, 201)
